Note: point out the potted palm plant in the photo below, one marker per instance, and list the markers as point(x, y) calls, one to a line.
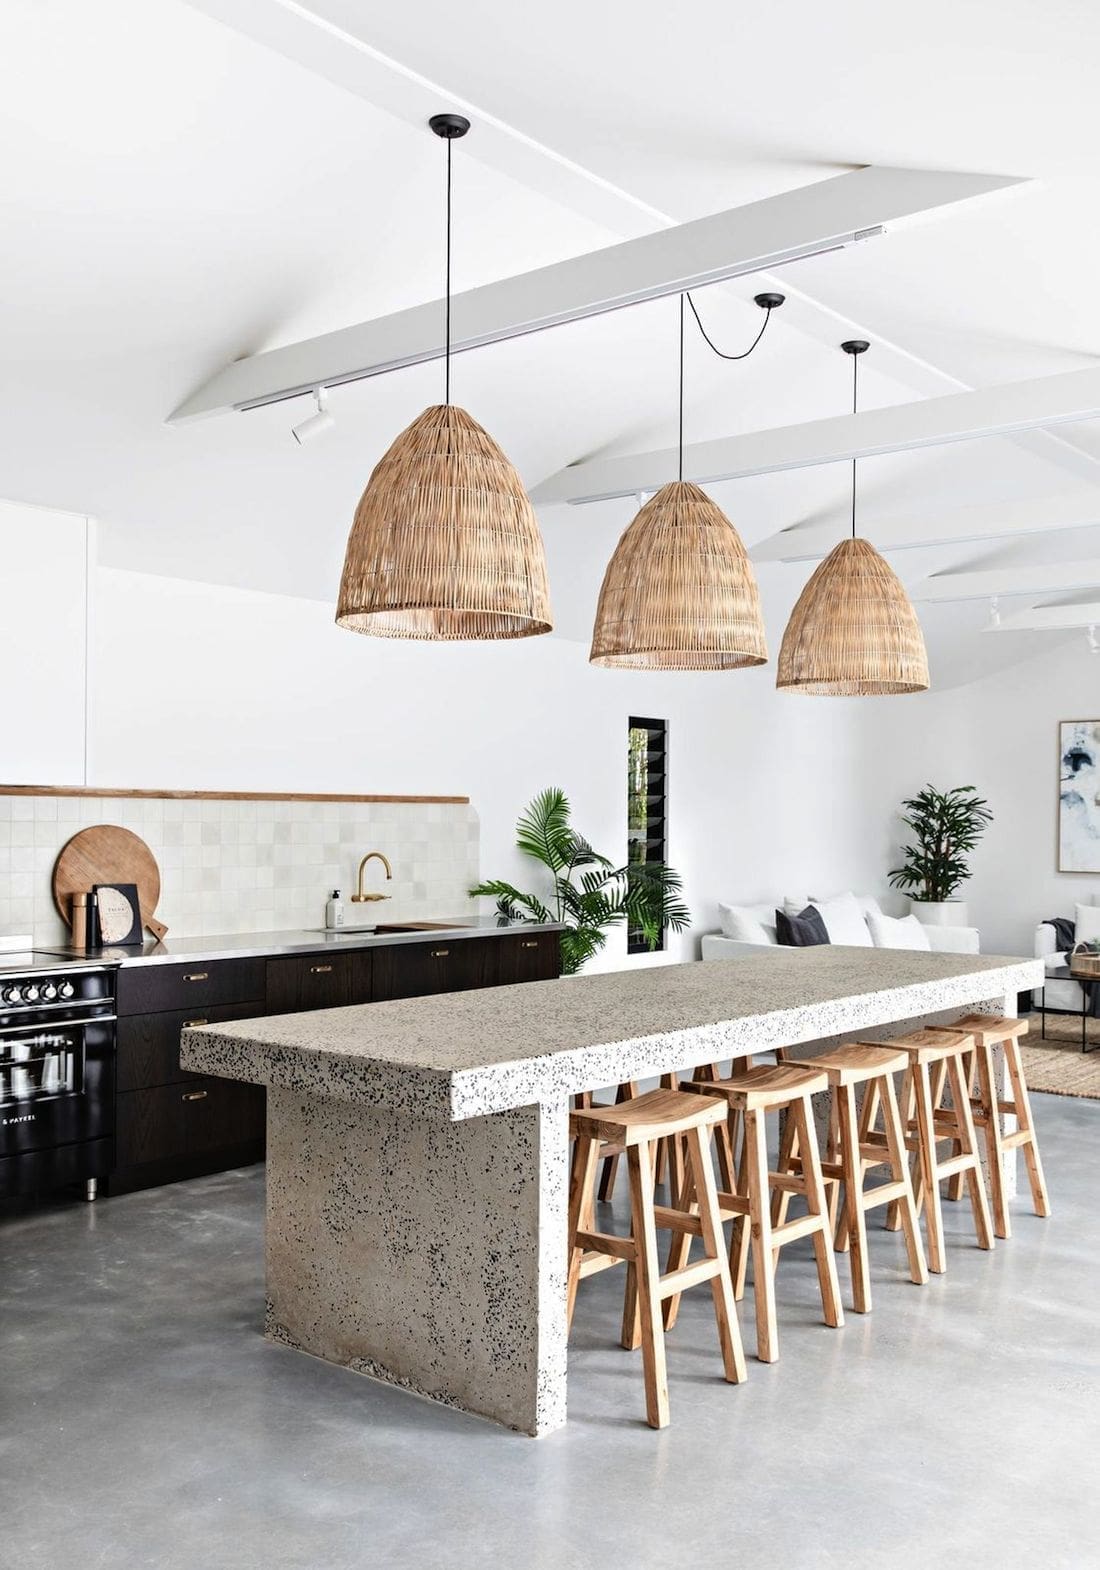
point(585, 890)
point(946, 826)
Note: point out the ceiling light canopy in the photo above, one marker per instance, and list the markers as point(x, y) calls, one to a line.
point(680, 593)
point(853, 632)
point(445, 543)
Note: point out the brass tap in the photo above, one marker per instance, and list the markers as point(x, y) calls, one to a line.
point(361, 898)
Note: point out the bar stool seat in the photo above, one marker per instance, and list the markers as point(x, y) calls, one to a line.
point(989, 1032)
point(928, 1124)
point(636, 1127)
point(751, 1095)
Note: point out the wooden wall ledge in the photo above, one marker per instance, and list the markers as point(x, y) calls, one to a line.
point(222, 795)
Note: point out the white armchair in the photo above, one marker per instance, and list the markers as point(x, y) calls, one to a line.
point(1060, 994)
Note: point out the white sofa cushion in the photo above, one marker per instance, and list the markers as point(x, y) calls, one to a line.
point(748, 923)
point(794, 904)
point(897, 932)
point(844, 921)
point(1088, 924)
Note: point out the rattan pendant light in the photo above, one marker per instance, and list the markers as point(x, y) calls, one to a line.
point(445, 543)
point(853, 632)
point(679, 594)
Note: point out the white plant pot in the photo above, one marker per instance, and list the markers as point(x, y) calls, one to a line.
point(940, 913)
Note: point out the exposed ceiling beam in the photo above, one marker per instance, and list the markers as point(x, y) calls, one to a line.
point(1050, 618)
point(955, 526)
point(1051, 578)
point(990, 411)
point(745, 240)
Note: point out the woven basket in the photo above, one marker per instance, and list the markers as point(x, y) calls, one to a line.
point(679, 593)
point(1085, 963)
point(853, 632)
point(445, 542)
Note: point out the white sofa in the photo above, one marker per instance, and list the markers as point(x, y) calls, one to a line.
point(760, 921)
point(1059, 994)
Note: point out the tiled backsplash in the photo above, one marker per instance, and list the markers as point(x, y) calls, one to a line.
point(248, 866)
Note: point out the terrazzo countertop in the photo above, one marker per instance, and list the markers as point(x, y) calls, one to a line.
point(467, 1054)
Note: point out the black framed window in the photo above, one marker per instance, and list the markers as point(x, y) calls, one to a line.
point(647, 803)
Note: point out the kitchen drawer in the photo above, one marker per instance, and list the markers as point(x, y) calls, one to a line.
point(191, 1119)
point(413, 970)
point(300, 982)
point(155, 989)
point(532, 956)
point(149, 1044)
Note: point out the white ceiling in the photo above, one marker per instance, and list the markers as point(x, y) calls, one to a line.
point(184, 184)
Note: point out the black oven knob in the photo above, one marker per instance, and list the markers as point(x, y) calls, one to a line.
point(65, 989)
point(49, 992)
point(30, 992)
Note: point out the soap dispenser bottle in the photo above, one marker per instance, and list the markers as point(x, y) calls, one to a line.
point(334, 910)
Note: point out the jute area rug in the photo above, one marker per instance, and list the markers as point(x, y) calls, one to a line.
point(1057, 1065)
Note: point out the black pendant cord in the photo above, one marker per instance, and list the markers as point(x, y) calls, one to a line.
point(681, 438)
point(855, 410)
point(447, 333)
point(768, 302)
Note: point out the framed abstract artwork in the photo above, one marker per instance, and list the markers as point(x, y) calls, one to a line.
point(1079, 796)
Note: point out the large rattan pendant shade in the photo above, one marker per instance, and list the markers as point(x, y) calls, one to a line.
point(445, 543)
point(854, 632)
point(679, 593)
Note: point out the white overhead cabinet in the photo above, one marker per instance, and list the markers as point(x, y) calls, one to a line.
point(44, 562)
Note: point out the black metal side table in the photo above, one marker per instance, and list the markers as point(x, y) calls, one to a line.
point(1063, 973)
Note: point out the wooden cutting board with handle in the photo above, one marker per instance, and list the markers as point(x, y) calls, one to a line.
point(108, 854)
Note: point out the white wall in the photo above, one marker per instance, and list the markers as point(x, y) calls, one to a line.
point(210, 687)
point(1001, 735)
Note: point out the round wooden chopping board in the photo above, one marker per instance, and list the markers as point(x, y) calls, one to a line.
point(108, 854)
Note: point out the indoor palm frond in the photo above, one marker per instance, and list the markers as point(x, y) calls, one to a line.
point(589, 894)
point(947, 826)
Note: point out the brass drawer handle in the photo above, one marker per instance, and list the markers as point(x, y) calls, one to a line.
point(529, 943)
point(197, 975)
point(195, 1095)
point(320, 970)
point(440, 953)
point(192, 1024)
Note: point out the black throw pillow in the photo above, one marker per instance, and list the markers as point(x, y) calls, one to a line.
point(802, 931)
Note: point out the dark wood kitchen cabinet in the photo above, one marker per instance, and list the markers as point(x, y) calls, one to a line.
point(171, 1124)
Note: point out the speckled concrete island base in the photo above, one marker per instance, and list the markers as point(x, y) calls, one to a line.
point(426, 1253)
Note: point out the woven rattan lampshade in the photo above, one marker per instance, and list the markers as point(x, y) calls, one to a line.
point(445, 543)
point(854, 632)
point(679, 593)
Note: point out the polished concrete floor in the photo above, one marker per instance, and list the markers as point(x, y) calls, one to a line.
point(145, 1423)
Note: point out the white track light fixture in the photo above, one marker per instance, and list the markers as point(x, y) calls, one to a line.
point(319, 421)
point(1091, 639)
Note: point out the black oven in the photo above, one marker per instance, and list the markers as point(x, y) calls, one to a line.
point(57, 1075)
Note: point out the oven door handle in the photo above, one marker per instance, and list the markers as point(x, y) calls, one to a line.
point(28, 1029)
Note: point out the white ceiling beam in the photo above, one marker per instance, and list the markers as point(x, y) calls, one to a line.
point(745, 240)
point(990, 411)
point(956, 526)
point(947, 588)
point(1050, 618)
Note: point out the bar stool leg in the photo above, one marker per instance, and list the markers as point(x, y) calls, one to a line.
point(921, 1089)
point(640, 1169)
point(802, 1111)
point(755, 1162)
point(899, 1171)
point(960, 1097)
point(581, 1184)
point(741, 1233)
point(990, 1119)
point(714, 1243)
point(855, 1217)
point(1039, 1198)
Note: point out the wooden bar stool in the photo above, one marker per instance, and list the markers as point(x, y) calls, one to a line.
point(989, 1032)
point(935, 1056)
point(851, 1155)
point(669, 1157)
point(637, 1126)
point(751, 1096)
